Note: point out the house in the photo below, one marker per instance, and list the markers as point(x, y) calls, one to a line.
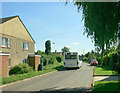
point(15, 41)
point(57, 53)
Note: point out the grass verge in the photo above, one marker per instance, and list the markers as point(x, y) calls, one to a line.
point(46, 69)
point(104, 71)
point(107, 86)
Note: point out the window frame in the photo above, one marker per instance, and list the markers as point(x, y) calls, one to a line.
point(4, 42)
point(25, 46)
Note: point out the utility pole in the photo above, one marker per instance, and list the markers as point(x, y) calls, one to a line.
point(83, 51)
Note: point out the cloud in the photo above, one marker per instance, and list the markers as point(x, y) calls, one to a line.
point(75, 43)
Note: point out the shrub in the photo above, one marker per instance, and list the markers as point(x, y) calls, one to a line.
point(59, 58)
point(99, 60)
point(48, 59)
point(112, 60)
point(20, 69)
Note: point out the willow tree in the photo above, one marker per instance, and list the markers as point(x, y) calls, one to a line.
point(101, 22)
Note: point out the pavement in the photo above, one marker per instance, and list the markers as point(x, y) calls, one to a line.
point(66, 80)
point(106, 78)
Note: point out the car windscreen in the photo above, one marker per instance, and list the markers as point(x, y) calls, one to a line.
point(70, 56)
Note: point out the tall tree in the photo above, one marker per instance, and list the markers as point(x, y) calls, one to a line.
point(65, 49)
point(101, 22)
point(48, 47)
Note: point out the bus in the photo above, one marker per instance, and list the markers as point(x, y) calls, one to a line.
point(71, 60)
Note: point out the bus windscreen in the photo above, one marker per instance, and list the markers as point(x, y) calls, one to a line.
point(70, 56)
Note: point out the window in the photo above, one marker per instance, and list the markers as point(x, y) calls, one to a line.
point(25, 46)
point(25, 60)
point(5, 42)
point(8, 42)
point(70, 56)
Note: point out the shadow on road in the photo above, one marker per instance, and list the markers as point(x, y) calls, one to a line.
point(62, 68)
point(65, 90)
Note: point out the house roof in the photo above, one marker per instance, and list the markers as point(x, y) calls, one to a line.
point(3, 20)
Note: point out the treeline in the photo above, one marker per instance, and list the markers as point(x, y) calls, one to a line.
point(111, 58)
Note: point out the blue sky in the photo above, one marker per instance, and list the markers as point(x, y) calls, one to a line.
point(51, 21)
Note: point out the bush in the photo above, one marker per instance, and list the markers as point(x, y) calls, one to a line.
point(112, 60)
point(48, 59)
point(59, 58)
point(99, 60)
point(20, 69)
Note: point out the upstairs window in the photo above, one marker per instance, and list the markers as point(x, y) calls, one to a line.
point(5, 42)
point(25, 46)
point(8, 42)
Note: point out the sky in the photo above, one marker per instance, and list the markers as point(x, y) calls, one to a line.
point(51, 21)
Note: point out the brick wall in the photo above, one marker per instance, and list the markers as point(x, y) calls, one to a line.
point(37, 62)
point(4, 65)
point(34, 61)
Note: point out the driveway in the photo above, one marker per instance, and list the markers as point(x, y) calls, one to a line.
point(66, 80)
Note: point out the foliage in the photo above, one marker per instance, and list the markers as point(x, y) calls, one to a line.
point(65, 49)
point(20, 69)
point(39, 52)
point(101, 22)
point(48, 47)
point(89, 55)
point(51, 59)
point(111, 60)
point(59, 58)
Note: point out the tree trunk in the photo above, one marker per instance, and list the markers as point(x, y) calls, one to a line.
point(102, 54)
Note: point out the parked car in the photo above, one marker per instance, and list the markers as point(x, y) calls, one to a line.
point(93, 63)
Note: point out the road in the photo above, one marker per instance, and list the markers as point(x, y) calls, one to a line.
point(66, 80)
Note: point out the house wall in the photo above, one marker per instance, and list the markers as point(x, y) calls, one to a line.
point(15, 28)
point(16, 31)
point(17, 53)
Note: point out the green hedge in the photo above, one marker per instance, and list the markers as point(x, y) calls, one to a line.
point(87, 60)
point(111, 60)
point(20, 69)
point(59, 58)
point(51, 59)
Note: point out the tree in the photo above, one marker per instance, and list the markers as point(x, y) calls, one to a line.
point(39, 52)
point(65, 49)
point(101, 22)
point(48, 47)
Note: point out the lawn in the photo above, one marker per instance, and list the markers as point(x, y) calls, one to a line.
point(107, 86)
point(46, 69)
point(104, 71)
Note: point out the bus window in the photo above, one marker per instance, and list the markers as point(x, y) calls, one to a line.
point(73, 56)
point(70, 56)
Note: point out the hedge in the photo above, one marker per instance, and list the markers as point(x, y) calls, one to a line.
point(51, 59)
point(20, 69)
point(111, 60)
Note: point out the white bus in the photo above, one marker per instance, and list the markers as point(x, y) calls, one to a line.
point(71, 60)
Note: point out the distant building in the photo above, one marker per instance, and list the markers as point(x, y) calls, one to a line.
point(57, 53)
point(15, 40)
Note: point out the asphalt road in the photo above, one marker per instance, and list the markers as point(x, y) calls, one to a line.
point(66, 80)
